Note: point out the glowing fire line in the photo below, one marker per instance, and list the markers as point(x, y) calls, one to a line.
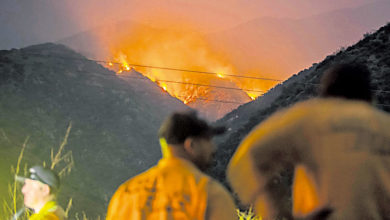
point(124, 66)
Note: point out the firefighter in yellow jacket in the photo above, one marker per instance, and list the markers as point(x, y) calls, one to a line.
point(176, 188)
point(338, 145)
point(39, 192)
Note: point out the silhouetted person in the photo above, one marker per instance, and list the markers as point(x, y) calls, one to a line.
point(338, 145)
point(39, 191)
point(176, 188)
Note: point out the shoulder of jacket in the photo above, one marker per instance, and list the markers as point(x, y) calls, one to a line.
point(139, 179)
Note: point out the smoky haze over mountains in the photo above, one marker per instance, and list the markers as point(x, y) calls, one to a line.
point(274, 46)
point(279, 47)
point(115, 120)
point(264, 47)
point(37, 21)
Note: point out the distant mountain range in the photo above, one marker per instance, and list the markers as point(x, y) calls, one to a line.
point(115, 120)
point(277, 47)
point(263, 47)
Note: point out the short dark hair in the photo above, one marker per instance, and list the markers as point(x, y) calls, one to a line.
point(181, 125)
point(347, 80)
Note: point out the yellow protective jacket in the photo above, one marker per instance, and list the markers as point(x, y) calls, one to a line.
point(173, 189)
point(50, 211)
point(340, 151)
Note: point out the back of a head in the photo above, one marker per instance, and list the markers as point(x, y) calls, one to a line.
point(349, 81)
point(181, 125)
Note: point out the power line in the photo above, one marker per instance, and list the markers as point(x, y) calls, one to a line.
point(196, 71)
point(178, 82)
point(198, 98)
point(163, 68)
point(182, 96)
point(213, 100)
point(185, 70)
point(216, 100)
point(197, 84)
point(220, 87)
point(188, 83)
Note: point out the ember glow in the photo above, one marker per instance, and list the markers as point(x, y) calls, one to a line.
point(186, 50)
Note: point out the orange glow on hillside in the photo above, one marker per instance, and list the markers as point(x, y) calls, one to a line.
point(220, 75)
point(180, 50)
point(163, 86)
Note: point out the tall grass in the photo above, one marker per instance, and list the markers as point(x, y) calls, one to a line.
point(61, 160)
point(14, 197)
point(62, 156)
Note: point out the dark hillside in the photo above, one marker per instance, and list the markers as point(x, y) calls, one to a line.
point(115, 120)
point(373, 50)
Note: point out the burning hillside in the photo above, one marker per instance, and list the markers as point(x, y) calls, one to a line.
point(182, 63)
point(263, 47)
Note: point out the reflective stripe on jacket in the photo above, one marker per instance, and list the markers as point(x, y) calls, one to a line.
point(50, 211)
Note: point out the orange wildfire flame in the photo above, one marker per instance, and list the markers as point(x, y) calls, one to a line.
point(175, 49)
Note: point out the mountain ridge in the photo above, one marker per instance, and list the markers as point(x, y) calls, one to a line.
point(45, 87)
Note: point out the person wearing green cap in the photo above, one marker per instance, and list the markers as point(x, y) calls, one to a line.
point(39, 191)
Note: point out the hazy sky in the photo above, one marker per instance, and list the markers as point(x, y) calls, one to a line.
point(25, 22)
